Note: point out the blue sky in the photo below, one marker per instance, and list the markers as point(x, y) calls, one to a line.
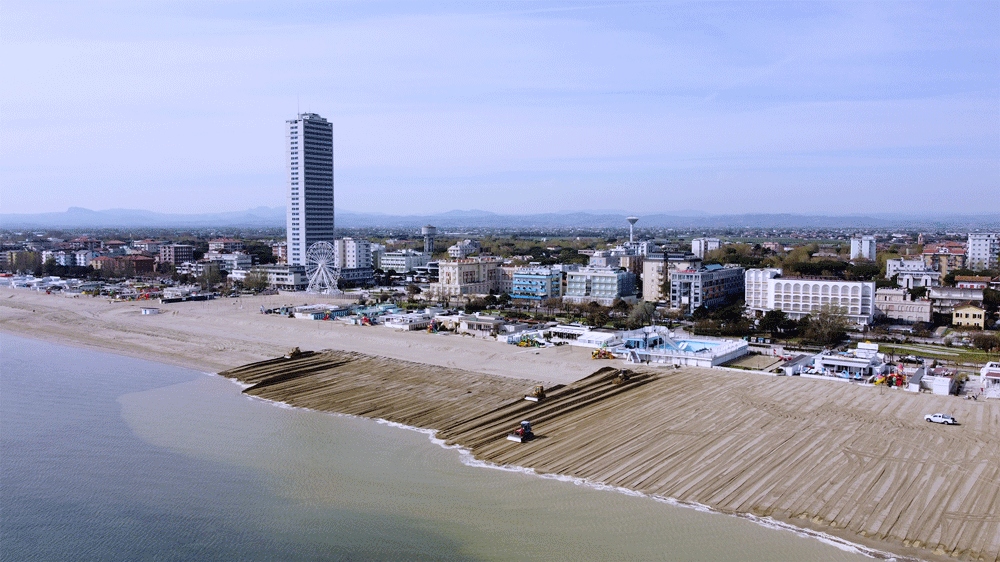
point(511, 107)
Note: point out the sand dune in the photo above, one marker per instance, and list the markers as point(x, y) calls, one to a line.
point(852, 461)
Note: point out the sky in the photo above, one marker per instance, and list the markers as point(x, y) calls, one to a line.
point(511, 107)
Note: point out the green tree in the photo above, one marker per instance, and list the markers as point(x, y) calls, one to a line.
point(256, 280)
point(620, 307)
point(949, 278)
point(641, 315)
point(986, 342)
point(772, 320)
point(261, 252)
point(412, 290)
point(50, 267)
point(828, 326)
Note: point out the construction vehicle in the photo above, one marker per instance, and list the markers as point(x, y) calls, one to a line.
point(621, 377)
point(522, 434)
point(537, 394)
point(601, 354)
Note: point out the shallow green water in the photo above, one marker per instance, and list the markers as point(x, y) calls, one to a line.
point(112, 458)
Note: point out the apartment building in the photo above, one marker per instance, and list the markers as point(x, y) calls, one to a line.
point(403, 260)
point(536, 284)
point(863, 247)
point(176, 253)
point(702, 246)
point(944, 257)
point(708, 286)
point(983, 250)
point(657, 267)
point(911, 272)
point(599, 284)
point(767, 290)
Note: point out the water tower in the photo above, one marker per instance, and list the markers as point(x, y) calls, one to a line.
point(631, 224)
point(429, 233)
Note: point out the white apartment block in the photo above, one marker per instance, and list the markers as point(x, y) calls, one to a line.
point(912, 273)
point(863, 247)
point(598, 284)
point(403, 261)
point(84, 257)
point(463, 249)
point(983, 251)
point(231, 261)
point(286, 277)
point(60, 257)
point(309, 157)
point(352, 254)
point(702, 246)
point(466, 277)
point(767, 290)
point(354, 259)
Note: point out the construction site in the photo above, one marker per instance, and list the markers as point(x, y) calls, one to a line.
point(865, 467)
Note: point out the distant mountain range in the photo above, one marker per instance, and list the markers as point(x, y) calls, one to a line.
point(259, 217)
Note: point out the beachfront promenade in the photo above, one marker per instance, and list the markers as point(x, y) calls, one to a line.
point(851, 461)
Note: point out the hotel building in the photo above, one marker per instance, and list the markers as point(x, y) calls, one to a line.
point(309, 154)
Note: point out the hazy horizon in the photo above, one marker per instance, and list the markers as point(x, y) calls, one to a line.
point(810, 108)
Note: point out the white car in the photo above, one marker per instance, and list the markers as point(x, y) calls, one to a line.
point(940, 418)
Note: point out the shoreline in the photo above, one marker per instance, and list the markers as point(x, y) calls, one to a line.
point(867, 494)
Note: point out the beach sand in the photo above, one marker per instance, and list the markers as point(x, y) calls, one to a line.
point(854, 462)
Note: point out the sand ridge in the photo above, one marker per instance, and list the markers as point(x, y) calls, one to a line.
point(856, 462)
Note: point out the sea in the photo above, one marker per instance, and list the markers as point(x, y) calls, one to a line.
point(105, 458)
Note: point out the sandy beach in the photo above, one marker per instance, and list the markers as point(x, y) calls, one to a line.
point(854, 462)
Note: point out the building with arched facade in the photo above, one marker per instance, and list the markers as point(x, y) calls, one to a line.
point(766, 290)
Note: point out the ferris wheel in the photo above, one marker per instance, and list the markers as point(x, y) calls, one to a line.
point(321, 268)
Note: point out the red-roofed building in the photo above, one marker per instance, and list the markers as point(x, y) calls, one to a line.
point(106, 264)
point(137, 264)
point(971, 282)
point(944, 257)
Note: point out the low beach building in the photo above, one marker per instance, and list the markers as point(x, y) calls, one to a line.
point(989, 377)
point(657, 345)
point(860, 363)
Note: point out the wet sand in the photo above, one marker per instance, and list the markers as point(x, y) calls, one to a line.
point(855, 462)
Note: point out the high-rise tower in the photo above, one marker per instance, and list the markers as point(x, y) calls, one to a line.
point(309, 154)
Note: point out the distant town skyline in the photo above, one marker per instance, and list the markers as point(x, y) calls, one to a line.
point(509, 107)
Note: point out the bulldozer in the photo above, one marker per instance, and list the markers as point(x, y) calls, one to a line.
point(537, 394)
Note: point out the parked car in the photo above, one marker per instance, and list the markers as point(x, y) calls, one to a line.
point(940, 418)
